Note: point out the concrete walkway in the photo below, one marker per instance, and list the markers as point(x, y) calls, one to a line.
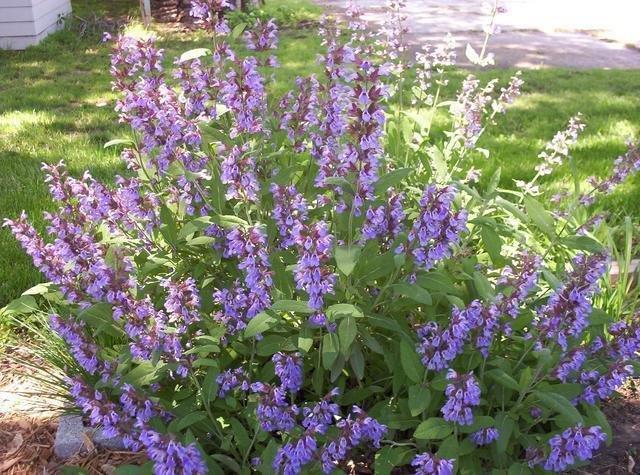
point(535, 33)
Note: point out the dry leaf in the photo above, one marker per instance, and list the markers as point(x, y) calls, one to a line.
point(15, 444)
point(108, 469)
point(631, 464)
point(7, 464)
point(88, 443)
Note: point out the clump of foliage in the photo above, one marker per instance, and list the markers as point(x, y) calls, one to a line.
point(313, 285)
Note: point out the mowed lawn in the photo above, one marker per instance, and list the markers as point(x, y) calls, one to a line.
point(56, 104)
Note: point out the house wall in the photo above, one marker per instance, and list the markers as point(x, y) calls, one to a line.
point(25, 22)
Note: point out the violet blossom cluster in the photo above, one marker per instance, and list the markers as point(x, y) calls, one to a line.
point(557, 150)
point(274, 412)
point(438, 347)
point(575, 443)
point(485, 436)
point(385, 222)
point(623, 167)
point(232, 379)
point(520, 279)
point(85, 351)
point(430, 464)
point(355, 429)
point(566, 313)
point(300, 112)
point(470, 108)
point(238, 172)
point(289, 369)
point(312, 274)
point(250, 248)
point(462, 394)
point(290, 212)
point(599, 386)
point(210, 13)
point(436, 229)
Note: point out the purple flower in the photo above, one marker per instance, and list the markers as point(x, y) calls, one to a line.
point(274, 412)
point(429, 464)
point(234, 305)
point(520, 279)
point(487, 326)
point(81, 347)
point(358, 427)
point(263, 36)
point(300, 111)
point(574, 443)
point(169, 456)
point(232, 379)
point(558, 148)
point(250, 247)
point(601, 386)
point(438, 347)
point(570, 364)
point(624, 166)
point(97, 407)
point(312, 273)
point(290, 212)
point(294, 455)
point(209, 12)
point(462, 393)
point(182, 303)
point(385, 222)
point(319, 417)
point(470, 108)
point(238, 172)
point(485, 436)
point(567, 311)
point(437, 228)
point(289, 369)
point(243, 92)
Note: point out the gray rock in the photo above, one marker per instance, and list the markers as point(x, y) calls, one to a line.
point(69, 437)
point(102, 441)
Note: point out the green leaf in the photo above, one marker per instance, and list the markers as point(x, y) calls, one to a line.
point(434, 428)
point(114, 142)
point(389, 457)
point(341, 310)
point(347, 331)
point(228, 462)
point(259, 324)
point(519, 469)
point(597, 417)
point(297, 306)
point(182, 423)
point(449, 448)
point(414, 292)
point(419, 399)
point(479, 422)
point(20, 306)
point(559, 404)
point(492, 243)
point(410, 361)
point(346, 258)
point(237, 31)
point(329, 350)
point(505, 426)
point(483, 286)
point(193, 54)
point(540, 216)
point(583, 243)
point(357, 361)
point(391, 179)
point(503, 379)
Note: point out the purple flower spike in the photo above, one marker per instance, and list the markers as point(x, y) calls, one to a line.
point(485, 436)
point(574, 443)
point(429, 464)
point(463, 393)
point(437, 228)
point(289, 370)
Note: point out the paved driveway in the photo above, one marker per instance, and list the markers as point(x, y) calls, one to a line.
point(535, 33)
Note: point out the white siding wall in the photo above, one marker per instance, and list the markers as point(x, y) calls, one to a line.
point(25, 22)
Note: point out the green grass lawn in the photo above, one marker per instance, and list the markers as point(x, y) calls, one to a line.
point(56, 104)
